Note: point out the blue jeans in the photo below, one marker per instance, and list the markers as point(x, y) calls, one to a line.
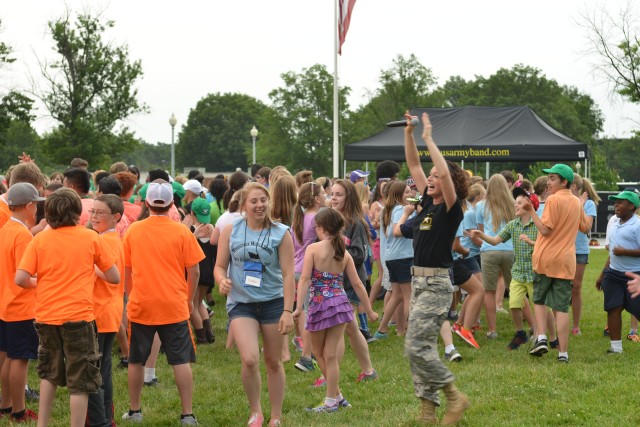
point(100, 409)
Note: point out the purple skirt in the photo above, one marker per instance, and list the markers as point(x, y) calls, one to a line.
point(330, 312)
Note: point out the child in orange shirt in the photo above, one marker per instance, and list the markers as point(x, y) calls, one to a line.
point(18, 338)
point(157, 252)
point(108, 302)
point(554, 256)
point(63, 260)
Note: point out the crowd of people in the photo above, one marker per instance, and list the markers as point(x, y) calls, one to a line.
point(100, 263)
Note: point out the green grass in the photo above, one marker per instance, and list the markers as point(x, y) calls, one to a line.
point(506, 388)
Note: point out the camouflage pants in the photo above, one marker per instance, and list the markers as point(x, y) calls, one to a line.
point(430, 303)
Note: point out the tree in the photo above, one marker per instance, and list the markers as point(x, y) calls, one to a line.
point(216, 135)
point(298, 132)
point(91, 88)
point(149, 156)
point(614, 42)
point(16, 133)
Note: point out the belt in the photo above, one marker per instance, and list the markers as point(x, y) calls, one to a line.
point(428, 271)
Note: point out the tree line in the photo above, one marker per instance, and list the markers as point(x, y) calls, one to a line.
point(89, 88)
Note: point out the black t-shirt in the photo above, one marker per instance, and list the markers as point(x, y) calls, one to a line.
point(434, 230)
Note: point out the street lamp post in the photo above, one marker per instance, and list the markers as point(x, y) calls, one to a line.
point(578, 167)
point(172, 123)
point(254, 134)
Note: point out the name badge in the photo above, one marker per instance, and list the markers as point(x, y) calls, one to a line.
point(426, 223)
point(252, 274)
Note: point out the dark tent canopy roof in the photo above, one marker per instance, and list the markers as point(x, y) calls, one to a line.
point(476, 133)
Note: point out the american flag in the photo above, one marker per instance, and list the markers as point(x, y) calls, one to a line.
point(344, 18)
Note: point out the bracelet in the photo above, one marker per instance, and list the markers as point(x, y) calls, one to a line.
point(288, 311)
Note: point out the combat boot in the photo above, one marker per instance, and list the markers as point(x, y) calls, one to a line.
point(456, 404)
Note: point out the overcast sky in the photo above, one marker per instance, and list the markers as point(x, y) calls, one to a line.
point(192, 48)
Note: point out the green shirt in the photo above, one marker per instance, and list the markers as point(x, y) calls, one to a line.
point(522, 270)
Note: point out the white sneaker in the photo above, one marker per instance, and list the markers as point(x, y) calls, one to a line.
point(136, 417)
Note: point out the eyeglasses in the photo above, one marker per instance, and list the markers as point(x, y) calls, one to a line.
point(98, 213)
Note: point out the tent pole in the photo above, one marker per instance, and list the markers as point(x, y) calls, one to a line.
point(486, 176)
point(462, 164)
point(336, 104)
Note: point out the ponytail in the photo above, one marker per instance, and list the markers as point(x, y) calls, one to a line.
point(338, 246)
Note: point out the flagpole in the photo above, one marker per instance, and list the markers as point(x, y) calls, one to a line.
point(336, 137)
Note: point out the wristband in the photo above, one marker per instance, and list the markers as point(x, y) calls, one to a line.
point(289, 311)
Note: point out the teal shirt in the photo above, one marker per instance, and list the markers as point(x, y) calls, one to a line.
point(522, 269)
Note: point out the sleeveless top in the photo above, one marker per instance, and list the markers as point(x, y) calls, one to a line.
point(324, 286)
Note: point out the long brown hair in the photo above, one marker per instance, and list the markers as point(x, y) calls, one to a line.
point(332, 222)
point(395, 196)
point(306, 200)
point(303, 177)
point(237, 180)
point(352, 209)
point(499, 201)
point(283, 199)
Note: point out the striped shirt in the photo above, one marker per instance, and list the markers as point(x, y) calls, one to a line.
point(522, 270)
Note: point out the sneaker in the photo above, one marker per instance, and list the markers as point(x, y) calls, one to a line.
point(153, 383)
point(124, 362)
point(611, 352)
point(380, 335)
point(492, 335)
point(455, 327)
point(188, 420)
point(476, 327)
point(539, 348)
point(297, 343)
point(31, 395)
point(367, 377)
point(28, 416)
point(305, 364)
point(554, 344)
point(466, 335)
point(320, 382)
point(501, 310)
point(275, 423)
point(344, 404)
point(452, 316)
point(576, 332)
point(453, 356)
point(367, 335)
point(135, 417)
point(256, 420)
point(518, 339)
point(322, 407)
point(563, 359)
point(633, 337)
point(606, 331)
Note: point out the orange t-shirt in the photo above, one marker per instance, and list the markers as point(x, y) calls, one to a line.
point(16, 303)
point(131, 211)
point(555, 255)
point(87, 205)
point(158, 250)
point(123, 225)
point(64, 258)
point(5, 213)
point(108, 299)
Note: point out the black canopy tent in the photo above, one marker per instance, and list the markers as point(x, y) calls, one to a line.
point(507, 134)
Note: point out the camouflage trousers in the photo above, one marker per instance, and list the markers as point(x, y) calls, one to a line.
point(430, 303)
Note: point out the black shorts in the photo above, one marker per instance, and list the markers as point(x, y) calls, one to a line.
point(400, 270)
point(19, 339)
point(461, 273)
point(616, 293)
point(176, 339)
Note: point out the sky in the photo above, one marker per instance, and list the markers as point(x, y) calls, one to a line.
point(194, 48)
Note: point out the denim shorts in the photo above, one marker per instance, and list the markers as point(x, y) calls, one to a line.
point(265, 312)
point(582, 258)
point(472, 264)
point(400, 270)
point(353, 297)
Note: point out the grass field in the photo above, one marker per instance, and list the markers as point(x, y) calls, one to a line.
point(506, 388)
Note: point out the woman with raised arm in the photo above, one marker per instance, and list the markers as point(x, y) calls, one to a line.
point(431, 290)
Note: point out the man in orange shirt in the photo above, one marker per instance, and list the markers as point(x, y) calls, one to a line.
point(63, 260)
point(18, 338)
point(108, 304)
point(554, 256)
point(157, 253)
point(24, 172)
point(79, 180)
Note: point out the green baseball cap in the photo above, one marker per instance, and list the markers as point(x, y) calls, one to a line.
point(627, 195)
point(178, 189)
point(142, 192)
point(563, 170)
point(202, 210)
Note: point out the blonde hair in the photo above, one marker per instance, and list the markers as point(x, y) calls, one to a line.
point(395, 195)
point(582, 185)
point(499, 201)
point(475, 191)
point(244, 194)
point(363, 193)
point(284, 197)
point(303, 177)
point(277, 173)
point(306, 199)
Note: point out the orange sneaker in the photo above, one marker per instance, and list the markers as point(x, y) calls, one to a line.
point(467, 336)
point(633, 337)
